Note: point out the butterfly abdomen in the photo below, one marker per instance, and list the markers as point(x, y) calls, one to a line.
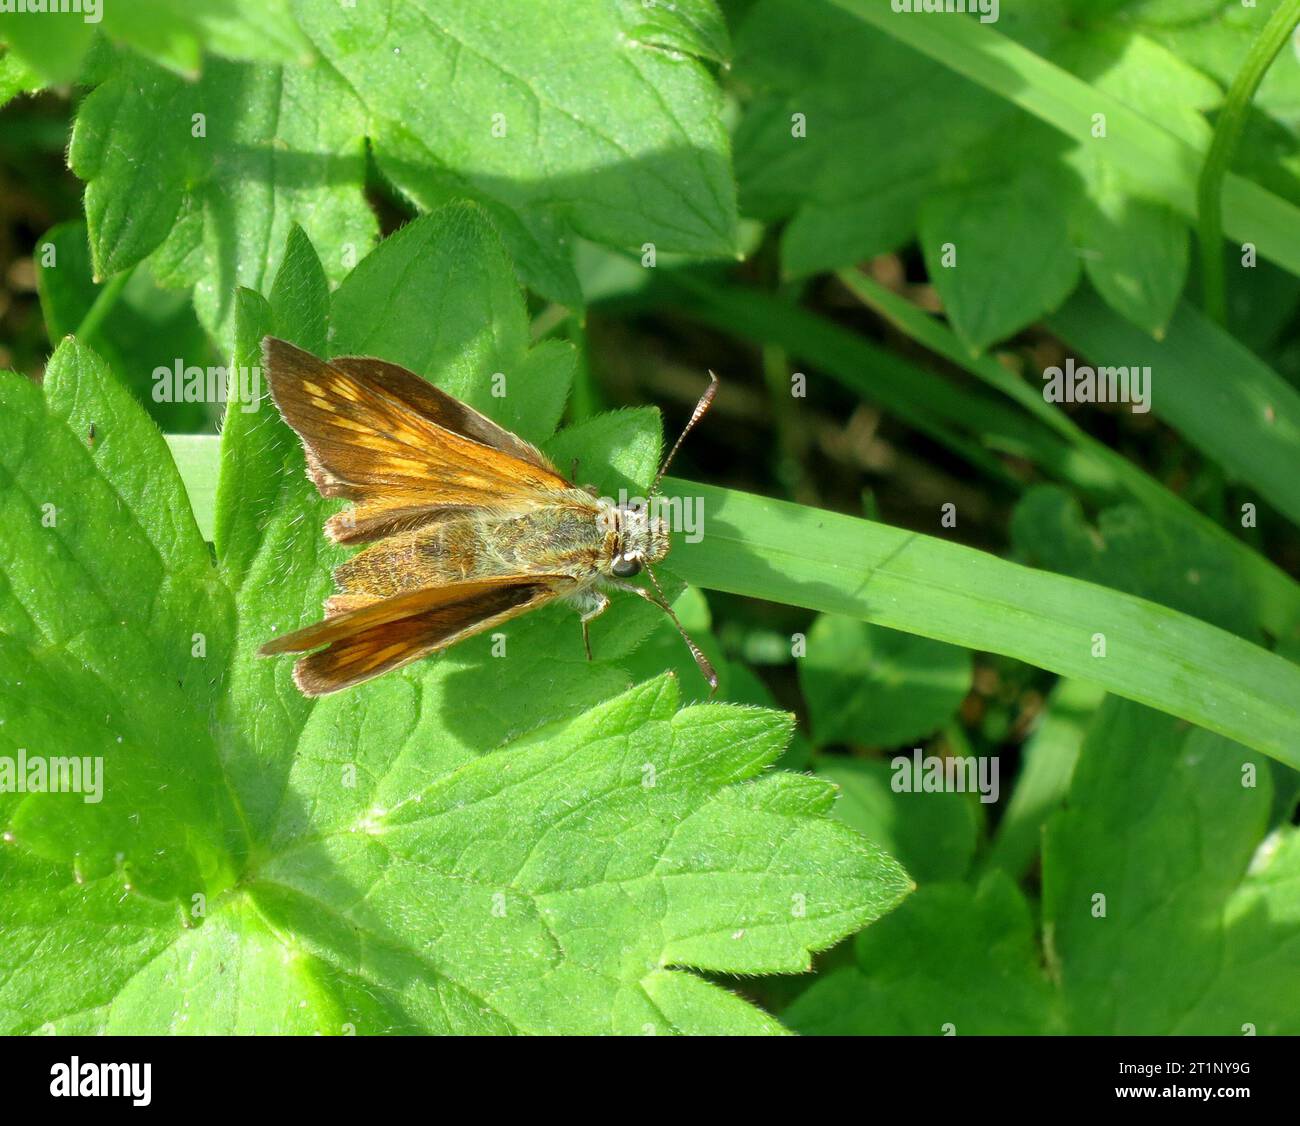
point(548, 540)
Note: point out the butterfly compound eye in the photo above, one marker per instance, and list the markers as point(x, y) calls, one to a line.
point(625, 566)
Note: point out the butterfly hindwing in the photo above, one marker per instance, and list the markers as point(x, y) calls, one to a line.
point(375, 638)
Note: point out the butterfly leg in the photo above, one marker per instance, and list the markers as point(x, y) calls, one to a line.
point(591, 604)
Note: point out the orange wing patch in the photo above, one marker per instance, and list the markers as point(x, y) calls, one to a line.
point(403, 451)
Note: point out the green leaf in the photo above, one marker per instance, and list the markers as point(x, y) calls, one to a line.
point(559, 130)
point(132, 204)
point(1168, 909)
point(114, 628)
point(1162, 162)
point(588, 886)
point(1167, 825)
point(878, 687)
point(596, 125)
point(852, 181)
point(1146, 76)
point(439, 297)
point(696, 27)
point(1216, 38)
point(1135, 255)
point(952, 960)
point(1047, 762)
point(296, 167)
point(16, 77)
point(193, 454)
point(257, 456)
point(999, 254)
point(1134, 248)
point(53, 52)
point(175, 33)
point(663, 650)
point(931, 834)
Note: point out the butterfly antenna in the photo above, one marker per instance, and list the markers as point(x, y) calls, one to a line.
point(700, 659)
point(706, 400)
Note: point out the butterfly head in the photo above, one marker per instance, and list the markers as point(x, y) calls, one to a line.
point(639, 538)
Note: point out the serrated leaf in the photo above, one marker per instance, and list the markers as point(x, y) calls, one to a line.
point(240, 124)
point(851, 184)
point(1162, 162)
point(607, 136)
point(1144, 75)
point(55, 52)
point(1215, 38)
point(558, 128)
point(339, 864)
point(131, 203)
point(172, 33)
point(1168, 909)
point(1135, 255)
point(548, 890)
point(146, 329)
point(16, 77)
point(852, 181)
point(113, 632)
point(696, 27)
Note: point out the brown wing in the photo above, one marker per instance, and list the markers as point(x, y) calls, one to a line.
point(374, 639)
point(403, 451)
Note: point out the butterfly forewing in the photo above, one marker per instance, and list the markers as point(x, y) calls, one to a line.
point(437, 406)
point(400, 449)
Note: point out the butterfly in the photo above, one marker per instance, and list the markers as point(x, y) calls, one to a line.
point(468, 525)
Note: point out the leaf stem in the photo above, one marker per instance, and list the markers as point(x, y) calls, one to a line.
point(1227, 133)
point(103, 305)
